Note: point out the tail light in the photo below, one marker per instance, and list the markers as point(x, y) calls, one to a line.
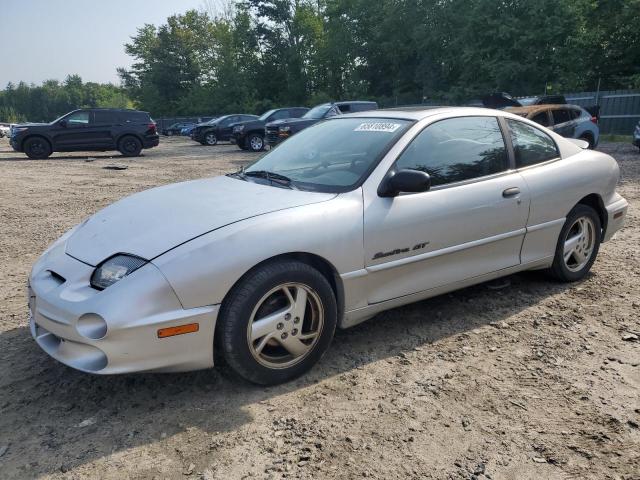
point(152, 128)
point(594, 120)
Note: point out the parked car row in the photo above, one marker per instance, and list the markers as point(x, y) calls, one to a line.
point(250, 132)
point(131, 131)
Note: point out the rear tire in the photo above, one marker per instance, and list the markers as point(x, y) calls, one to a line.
point(589, 139)
point(130, 146)
point(297, 308)
point(578, 244)
point(37, 148)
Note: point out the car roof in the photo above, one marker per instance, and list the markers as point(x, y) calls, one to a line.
point(532, 109)
point(126, 110)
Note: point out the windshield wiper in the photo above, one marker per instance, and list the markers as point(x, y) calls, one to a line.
point(271, 176)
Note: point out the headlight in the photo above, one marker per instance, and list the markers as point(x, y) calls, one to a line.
point(115, 269)
point(284, 129)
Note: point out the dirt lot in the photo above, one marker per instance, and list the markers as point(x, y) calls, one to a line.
point(527, 379)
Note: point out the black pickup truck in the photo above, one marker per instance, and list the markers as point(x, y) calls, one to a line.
point(280, 130)
point(250, 135)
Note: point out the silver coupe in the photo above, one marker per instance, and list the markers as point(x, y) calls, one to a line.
point(353, 216)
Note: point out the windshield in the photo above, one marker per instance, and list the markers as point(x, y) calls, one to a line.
point(525, 102)
point(318, 112)
point(266, 115)
point(332, 156)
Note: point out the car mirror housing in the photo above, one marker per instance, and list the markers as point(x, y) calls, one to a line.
point(405, 181)
point(63, 123)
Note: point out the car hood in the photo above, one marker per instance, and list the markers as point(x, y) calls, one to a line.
point(293, 121)
point(31, 124)
point(150, 223)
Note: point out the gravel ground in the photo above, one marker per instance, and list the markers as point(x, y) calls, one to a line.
point(521, 379)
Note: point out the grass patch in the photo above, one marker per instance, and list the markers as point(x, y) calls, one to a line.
point(616, 138)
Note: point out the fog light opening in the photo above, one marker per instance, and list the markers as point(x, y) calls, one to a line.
point(92, 325)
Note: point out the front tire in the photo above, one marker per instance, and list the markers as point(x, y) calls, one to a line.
point(255, 142)
point(277, 322)
point(37, 148)
point(578, 244)
point(130, 146)
point(210, 139)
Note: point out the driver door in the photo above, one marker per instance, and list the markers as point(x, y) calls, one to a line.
point(470, 223)
point(73, 132)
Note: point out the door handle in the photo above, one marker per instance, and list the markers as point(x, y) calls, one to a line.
point(511, 192)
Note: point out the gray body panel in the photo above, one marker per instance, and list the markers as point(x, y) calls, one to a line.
point(202, 237)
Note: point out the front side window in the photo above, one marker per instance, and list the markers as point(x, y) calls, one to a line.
point(531, 145)
point(225, 122)
point(78, 119)
point(322, 111)
point(457, 149)
point(280, 115)
point(332, 156)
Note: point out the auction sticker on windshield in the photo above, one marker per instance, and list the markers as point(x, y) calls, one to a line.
point(378, 127)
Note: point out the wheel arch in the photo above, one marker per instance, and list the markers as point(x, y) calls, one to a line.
point(128, 134)
point(321, 264)
point(594, 201)
point(36, 135)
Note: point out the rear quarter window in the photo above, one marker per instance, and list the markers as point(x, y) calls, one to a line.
point(531, 145)
point(134, 117)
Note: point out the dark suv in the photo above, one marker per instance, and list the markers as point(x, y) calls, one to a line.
point(219, 129)
point(280, 130)
point(250, 135)
point(95, 130)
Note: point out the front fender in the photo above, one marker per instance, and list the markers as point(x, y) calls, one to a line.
point(203, 270)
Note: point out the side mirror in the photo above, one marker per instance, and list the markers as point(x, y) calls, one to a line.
point(405, 181)
point(63, 123)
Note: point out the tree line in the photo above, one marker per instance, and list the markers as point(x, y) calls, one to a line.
point(46, 102)
point(255, 54)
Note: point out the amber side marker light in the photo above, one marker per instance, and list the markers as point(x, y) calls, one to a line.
point(179, 330)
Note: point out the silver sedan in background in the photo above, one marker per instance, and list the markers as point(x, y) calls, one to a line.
point(353, 216)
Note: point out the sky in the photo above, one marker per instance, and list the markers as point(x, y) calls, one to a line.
point(49, 39)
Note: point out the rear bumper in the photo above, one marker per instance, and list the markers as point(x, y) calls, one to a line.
point(151, 141)
point(132, 311)
point(616, 215)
